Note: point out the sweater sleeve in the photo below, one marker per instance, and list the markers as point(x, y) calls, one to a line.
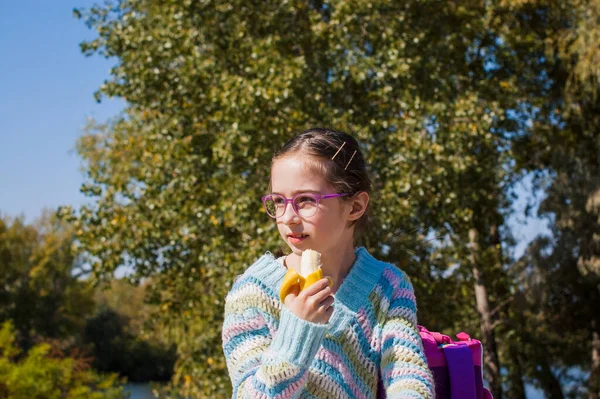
point(266, 357)
point(404, 368)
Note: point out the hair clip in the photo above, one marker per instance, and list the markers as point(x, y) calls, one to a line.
point(338, 151)
point(351, 158)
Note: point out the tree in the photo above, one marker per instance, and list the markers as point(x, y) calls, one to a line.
point(214, 87)
point(562, 150)
point(121, 338)
point(41, 292)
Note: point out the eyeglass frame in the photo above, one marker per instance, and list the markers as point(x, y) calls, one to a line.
point(318, 197)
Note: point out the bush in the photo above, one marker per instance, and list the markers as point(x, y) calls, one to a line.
point(40, 373)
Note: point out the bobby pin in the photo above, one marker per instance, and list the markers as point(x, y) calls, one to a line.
point(352, 157)
point(338, 151)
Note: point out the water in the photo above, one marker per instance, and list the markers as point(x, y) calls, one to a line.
point(139, 391)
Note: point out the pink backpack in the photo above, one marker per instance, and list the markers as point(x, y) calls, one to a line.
point(456, 366)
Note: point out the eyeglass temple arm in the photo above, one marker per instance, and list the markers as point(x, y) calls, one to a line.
point(333, 195)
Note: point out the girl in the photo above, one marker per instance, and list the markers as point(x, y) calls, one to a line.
point(355, 338)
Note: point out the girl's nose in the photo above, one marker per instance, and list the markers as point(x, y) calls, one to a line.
point(290, 216)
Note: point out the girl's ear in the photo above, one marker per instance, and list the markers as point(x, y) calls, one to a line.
point(358, 205)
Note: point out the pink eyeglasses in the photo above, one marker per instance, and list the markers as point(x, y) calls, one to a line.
point(304, 204)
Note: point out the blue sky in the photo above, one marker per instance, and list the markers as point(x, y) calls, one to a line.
point(46, 95)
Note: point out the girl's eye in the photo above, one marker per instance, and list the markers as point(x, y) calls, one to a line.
point(278, 200)
point(306, 199)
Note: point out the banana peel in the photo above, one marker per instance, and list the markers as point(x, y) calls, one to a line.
point(293, 280)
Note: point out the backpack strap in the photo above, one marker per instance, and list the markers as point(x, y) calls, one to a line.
point(461, 370)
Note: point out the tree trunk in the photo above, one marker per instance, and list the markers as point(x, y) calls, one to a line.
point(491, 361)
point(594, 383)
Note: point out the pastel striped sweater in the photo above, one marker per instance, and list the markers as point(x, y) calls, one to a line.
point(271, 353)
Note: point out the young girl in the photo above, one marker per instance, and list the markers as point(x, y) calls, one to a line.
point(356, 337)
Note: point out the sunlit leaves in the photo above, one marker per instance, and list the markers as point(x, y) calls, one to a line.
point(214, 87)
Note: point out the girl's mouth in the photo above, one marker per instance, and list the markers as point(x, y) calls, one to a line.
point(297, 238)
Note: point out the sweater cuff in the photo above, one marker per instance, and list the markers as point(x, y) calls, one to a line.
point(297, 340)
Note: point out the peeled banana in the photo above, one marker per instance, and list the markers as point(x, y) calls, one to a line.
point(310, 273)
point(310, 268)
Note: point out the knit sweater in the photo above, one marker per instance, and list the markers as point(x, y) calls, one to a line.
point(272, 353)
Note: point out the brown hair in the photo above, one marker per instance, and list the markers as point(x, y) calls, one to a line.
point(347, 172)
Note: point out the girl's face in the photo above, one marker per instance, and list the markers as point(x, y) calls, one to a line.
point(327, 230)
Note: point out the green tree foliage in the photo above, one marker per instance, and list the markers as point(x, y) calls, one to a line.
point(43, 373)
point(547, 330)
point(45, 297)
point(562, 150)
point(40, 290)
point(116, 350)
point(121, 337)
point(436, 91)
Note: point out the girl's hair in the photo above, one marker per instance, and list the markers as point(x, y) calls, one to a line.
point(346, 172)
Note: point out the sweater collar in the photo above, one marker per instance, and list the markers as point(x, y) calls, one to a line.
point(360, 281)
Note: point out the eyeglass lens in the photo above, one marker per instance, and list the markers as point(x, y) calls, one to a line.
point(304, 204)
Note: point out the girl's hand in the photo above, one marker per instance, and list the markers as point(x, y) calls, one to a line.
point(314, 304)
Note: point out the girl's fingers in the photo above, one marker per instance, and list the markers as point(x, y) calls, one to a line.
point(315, 303)
point(316, 287)
point(321, 295)
point(294, 292)
point(328, 302)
